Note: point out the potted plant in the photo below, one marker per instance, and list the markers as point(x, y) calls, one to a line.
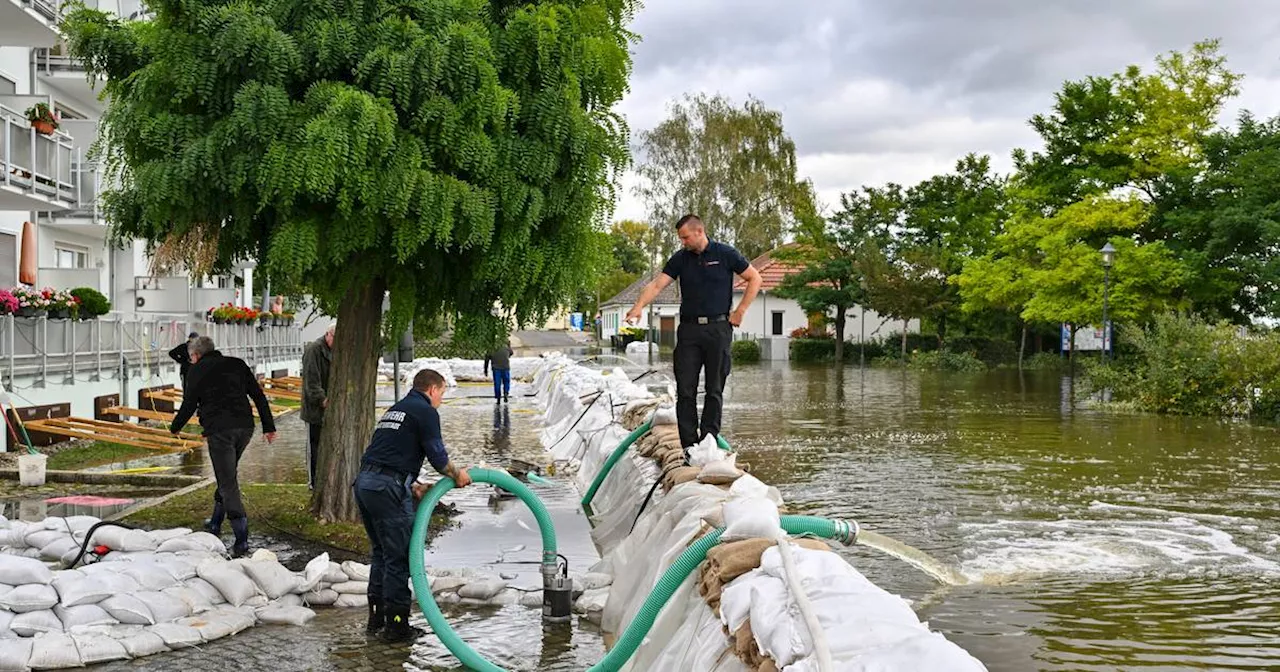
point(42, 118)
point(92, 304)
point(288, 318)
point(31, 303)
point(8, 302)
point(264, 319)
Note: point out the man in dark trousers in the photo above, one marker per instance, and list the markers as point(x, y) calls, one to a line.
point(705, 269)
point(181, 356)
point(315, 395)
point(500, 358)
point(220, 388)
point(386, 490)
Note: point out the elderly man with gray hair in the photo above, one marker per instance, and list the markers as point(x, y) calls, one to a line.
point(219, 388)
point(316, 360)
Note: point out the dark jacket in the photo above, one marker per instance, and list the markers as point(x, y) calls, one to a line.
point(315, 380)
point(182, 356)
point(406, 434)
point(500, 359)
point(220, 387)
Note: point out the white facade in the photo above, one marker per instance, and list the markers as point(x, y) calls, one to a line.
point(771, 316)
point(613, 317)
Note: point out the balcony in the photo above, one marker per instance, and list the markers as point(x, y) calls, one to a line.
point(29, 23)
point(37, 168)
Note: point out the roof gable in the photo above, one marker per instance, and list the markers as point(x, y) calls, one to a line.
point(670, 296)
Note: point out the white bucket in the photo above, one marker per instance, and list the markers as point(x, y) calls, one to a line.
point(31, 468)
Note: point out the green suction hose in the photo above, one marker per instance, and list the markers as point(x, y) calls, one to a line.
point(638, 629)
point(622, 449)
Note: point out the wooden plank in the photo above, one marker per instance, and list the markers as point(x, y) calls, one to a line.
point(102, 404)
point(30, 413)
point(91, 436)
point(146, 414)
point(120, 429)
point(273, 393)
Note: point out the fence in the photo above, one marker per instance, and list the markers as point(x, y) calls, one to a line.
point(56, 351)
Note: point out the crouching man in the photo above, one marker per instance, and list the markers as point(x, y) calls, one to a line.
point(387, 490)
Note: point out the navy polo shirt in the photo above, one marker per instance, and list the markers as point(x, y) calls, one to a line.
point(706, 280)
point(405, 435)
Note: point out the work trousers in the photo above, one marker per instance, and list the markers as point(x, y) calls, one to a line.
point(313, 451)
point(501, 383)
point(225, 449)
point(700, 347)
point(387, 509)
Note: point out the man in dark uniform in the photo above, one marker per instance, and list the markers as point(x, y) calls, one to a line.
point(386, 490)
point(500, 358)
point(220, 388)
point(705, 269)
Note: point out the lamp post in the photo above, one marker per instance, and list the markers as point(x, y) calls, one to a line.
point(1108, 257)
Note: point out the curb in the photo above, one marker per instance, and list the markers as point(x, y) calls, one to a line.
point(104, 478)
point(125, 513)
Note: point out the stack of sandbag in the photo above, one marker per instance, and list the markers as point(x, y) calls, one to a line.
point(637, 412)
point(729, 560)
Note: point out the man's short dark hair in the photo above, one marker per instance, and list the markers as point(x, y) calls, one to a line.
point(427, 379)
point(201, 346)
point(687, 219)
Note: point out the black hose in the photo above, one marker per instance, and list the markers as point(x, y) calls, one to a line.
point(650, 495)
point(84, 546)
point(575, 422)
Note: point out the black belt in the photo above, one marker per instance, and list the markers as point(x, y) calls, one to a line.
point(704, 319)
point(385, 471)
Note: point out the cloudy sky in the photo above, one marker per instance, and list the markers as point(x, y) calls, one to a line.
point(896, 90)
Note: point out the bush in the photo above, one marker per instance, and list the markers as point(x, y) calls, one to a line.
point(92, 302)
point(1045, 361)
point(745, 352)
point(946, 361)
point(811, 350)
point(993, 351)
point(917, 342)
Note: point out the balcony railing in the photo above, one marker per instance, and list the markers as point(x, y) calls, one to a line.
point(35, 163)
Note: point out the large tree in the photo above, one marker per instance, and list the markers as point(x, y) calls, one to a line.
point(457, 154)
point(735, 166)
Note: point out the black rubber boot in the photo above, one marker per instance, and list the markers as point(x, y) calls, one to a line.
point(377, 617)
point(397, 629)
point(214, 524)
point(241, 546)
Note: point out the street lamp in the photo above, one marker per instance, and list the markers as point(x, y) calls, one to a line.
point(1108, 257)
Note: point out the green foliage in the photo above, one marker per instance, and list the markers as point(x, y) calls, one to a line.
point(745, 352)
point(990, 351)
point(812, 350)
point(734, 166)
point(1045, 361)
point(460, 152)
point(632, 242)
point(941, 360)
point(92, 302)
point(1183, 365)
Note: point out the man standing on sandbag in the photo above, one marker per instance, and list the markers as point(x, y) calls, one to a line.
point(315, 395)
point(220, 387)
point(500, 358)
point(705, 269)
point(387, 487)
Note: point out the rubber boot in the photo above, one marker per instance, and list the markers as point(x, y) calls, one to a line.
point(241, 546)
point(377, 617)
point(397, 629)
point(214, 524)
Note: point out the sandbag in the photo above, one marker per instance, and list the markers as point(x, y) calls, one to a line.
point(280, 615)
point(481, 590)
point(6, 617)
point(177, 635)
point(73, 592)
point(335, 574)
point(17, 571)
point(446, 584)
point(55, 550)
point(351, 588)
point(164, 607)
point(39, 538)
point(31, 597)
point(235, 587)
point(221, 622)
point(748, 518)
point(679, 475)
point(256, 601)
point(207, 590)
point(664, 416)
point(53, 651)
point(272, 578)
point(115, 583)
point(162, 536)
point(321, 598)
point(122, 539)
point(313, 573)
point(150, 575)
point(33, 623)
point(128, 609)
point(355, 571)
point(144, 643)
point(351, 601)
point(720, 472)
point(196, 541)
point(15, 655)
point(98, 648)
point(195, 600)
point(82, 616)
point(290, 600)
point(181, 568)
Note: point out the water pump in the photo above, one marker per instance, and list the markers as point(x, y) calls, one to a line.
point(557, 592)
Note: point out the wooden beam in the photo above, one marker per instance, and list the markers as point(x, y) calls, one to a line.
point(159, 416)
point(150, 444)
point(122, 429)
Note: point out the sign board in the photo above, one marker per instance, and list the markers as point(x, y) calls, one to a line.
point(575, 321)
point(1088, 338)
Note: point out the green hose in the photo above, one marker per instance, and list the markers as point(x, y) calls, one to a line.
point(621, 450)
point(639, 627)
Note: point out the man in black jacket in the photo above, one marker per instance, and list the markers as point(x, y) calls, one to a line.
point(181, 355)
point(220, 388)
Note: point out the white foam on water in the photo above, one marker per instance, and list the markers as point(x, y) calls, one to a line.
point(1011, 550)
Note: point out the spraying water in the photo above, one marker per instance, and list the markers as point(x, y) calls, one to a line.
point(912, 556)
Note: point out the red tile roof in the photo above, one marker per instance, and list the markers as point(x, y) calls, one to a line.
point(771, 271)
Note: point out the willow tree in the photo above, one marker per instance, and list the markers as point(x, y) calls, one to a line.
point(455, 154)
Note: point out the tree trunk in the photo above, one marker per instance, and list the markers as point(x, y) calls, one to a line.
point(840, 336)
point(942, 331)
point(348, 420)
point(1022, 347)
point(905, 322)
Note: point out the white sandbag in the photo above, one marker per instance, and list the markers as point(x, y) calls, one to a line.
point(121, 539)
point(351, 588)
point(16, 571)
point(150, 575)
point(195, 600)
point(31, 597)
point(446, 584)
point(750, 487)
point(164, 607)
point(335, 574)
point(183, 543)
point(39, 538)
point(207, 590)
point(481, 590)
point(144, 643)
point(750, 519)
point(532, 599)
point(321, 598)
point(115, 583)
point(32, 553)
point(256, 601)
point(15, 536)
point(272, 578)
point(128, 609)
point(594, 580)
point(6, 617)
point(347, 600)
point(177, 635)
point(705, 452)
point(355, 571)
point(181, 568)
point(162, 536)
point(664, 416)
point(53, 651)
point(313, 574)
point(280, 615)
point(15, 655)
point(56, 549)
point(234, 585)
point(221, 622)
point(33, 623)
point(593, 600)
point(5, 588)
point(206, 542)
point(98, 648)
point(79, 589)
point(290, 600)
point(83, 616)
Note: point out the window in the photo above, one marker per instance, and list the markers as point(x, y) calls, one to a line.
point(70, 257)
point(8, 259)
point(777, 323)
